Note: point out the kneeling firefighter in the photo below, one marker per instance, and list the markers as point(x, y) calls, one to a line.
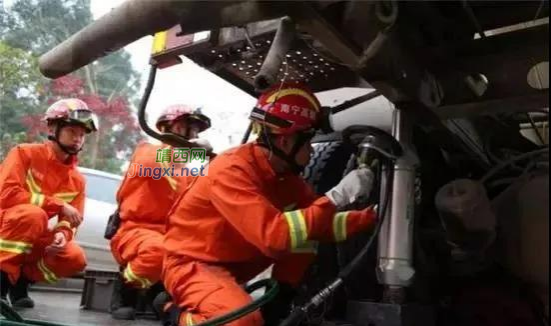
point(253, 210)
point(38, 182)
point(136, 230)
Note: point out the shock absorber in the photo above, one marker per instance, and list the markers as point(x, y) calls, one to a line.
point(395, 250)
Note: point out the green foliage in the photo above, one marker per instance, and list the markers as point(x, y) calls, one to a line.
point(18, 70)
point(29, 28)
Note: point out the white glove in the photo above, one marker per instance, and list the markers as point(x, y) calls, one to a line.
point(354, 185)
point(202, 143)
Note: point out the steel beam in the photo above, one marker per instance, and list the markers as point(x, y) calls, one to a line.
point(137, 18)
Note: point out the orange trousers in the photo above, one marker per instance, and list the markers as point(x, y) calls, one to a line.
point(140, 251)
point(24, 235)
point(205, 291)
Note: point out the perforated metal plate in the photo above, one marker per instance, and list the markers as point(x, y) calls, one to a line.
point(303, 63)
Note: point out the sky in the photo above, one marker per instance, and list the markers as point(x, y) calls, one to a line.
point(190, 84)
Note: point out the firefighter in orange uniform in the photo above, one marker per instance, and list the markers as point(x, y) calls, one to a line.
point(253, 210)
point(38, 182)
point(144, 203)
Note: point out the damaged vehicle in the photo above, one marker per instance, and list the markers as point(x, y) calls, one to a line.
point(446, 100)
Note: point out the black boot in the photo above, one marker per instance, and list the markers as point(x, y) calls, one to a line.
point(167, 312)
point(159, 304)
point(5, 286)
point(150, 296)
point(123, 300)
point(19, 294)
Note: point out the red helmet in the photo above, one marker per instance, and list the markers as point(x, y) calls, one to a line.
point(72, 111)
point(286, 109)
point(181, 111)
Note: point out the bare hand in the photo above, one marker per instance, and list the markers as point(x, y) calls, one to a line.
point(58, 244)
point(72, 215)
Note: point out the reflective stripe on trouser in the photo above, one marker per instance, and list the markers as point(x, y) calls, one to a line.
point(298, 233)
point(40, 266)
point(131, 277)
point(205, 291)
point(188, 319)
point(21, 227)
point(47, 274)
point(140, 251)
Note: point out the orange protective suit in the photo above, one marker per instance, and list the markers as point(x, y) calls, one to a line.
point(143, 207)
point(235, 222)
point(34, 184)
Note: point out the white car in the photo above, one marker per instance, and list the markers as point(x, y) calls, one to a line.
point(100, 203)
point(101, 188)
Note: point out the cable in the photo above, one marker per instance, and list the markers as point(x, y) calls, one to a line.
point(8, 312)
point(506, 163)
point(473, 19)
point(494, 159)
point(380, 216)
point(301, 312)
point(247, 133)
point(167, 138)
point(533, 124)
point(143, 103)
point(273, 289)
point(467, 136)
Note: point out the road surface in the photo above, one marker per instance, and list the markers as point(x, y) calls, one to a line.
point(64, 307)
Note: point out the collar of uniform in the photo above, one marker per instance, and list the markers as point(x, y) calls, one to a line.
point(266, 169)
point(53, 157)
point(262, 161)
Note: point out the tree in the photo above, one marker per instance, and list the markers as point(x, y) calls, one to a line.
point(19, 79)
point(18, 69)
point(35, 25)
point(109, 85)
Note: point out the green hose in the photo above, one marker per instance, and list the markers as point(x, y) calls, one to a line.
point(7, 312)
point(272, 290)
point(12, 318)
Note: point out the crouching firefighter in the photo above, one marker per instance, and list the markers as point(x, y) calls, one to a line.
point(136, 230)
point(253, 210)
point(38, 182)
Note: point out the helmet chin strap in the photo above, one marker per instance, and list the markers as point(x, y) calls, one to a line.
point(290, 158)
point(64, 148)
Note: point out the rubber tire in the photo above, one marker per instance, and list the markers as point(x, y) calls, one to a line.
point(327, 163)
